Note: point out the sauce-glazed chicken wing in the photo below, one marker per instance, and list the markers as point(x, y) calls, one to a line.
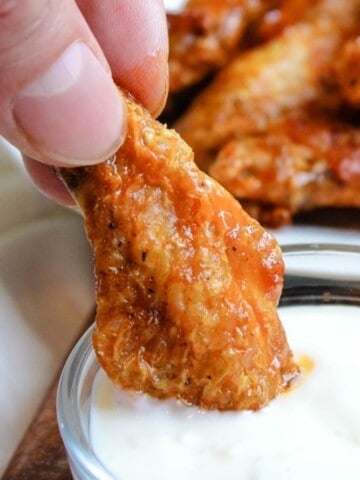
point(260, 86)
point(187, 283)
point(242, 126)
point(308, 160)
point(205, 35)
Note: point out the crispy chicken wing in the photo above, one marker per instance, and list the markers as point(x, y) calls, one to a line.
point(205, 34)
point(260, 86)
point(308, 160)
point(187, 282)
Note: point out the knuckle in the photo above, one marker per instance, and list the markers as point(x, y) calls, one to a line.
point(22, 25)
point(19, 20)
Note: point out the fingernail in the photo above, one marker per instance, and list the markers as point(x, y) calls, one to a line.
point(73, 113)
point(163, 89)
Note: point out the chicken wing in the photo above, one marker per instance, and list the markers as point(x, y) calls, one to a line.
point(282, 14)
point(187, 282)
point(205, 34)
point(260, 86)
point(308, 160)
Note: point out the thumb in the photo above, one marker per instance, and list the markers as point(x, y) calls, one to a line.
point(58, 103)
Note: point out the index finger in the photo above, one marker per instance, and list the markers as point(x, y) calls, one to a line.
point(133, 35)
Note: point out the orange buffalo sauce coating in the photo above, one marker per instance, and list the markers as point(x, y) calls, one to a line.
point(187, 283)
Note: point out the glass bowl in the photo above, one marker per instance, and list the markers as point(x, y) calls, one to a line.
point(315, 275)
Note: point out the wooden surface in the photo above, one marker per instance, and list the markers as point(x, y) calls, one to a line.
point(41, 454)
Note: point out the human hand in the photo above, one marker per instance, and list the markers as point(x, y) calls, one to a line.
point(58, 102)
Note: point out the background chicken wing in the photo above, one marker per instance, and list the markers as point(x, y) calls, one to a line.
point(308, 63)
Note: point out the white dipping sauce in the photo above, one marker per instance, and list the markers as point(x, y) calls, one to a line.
point(312, 432)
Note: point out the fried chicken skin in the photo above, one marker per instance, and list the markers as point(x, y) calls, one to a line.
point(307, 161)
point(260, 86)
point(205, 35)
point(187, 283)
